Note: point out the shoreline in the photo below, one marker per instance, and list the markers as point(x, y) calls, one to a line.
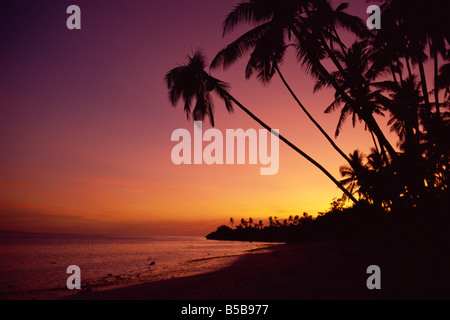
point(313, 270)
point(186, 268)
point(317, 270)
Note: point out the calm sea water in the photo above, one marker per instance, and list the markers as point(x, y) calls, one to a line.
point(38, 262)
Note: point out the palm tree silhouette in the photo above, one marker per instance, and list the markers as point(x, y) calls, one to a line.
point(319, 23)
point(353, 179)
point(260, 224)
point(313, 24)
point(405, 107)
point(270, 221)
point(191, 82)
point(356, 64)
point(422, 24)
point(444, 77)
point(275, 219)
point(268, 42)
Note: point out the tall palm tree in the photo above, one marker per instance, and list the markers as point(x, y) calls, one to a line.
point(320, 20)
point(357, 64)
point(424, 24)
point(268, 42)
point(191, 82)
point(405, 107)
point(313, 25)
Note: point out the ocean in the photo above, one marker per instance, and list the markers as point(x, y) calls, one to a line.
point(34, 264)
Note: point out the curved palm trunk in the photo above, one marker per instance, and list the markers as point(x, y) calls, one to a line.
point(375, 142)
point(373, 125)
point(341, 44)
point(311, 118)
point(408, 66)
point(368, 118)
point(290, 144)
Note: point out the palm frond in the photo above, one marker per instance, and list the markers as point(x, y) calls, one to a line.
point(193, 84)
point(245, 12)
point(235, 50)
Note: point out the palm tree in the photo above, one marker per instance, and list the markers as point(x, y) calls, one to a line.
point(275, 219)
point(369, 180)
point(352, 179)
point(231, 222)
point(260, 224)
point(268, 42)
point(423, 24)
point(321, 19)
point(356, 64)
point(405, 107)
point(191, 82)
point(313, 23)
point(250, 222)
point(375, 160)
point(444, 78)
point(419, 25)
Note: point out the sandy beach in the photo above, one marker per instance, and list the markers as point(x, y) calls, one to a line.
point(319, 270)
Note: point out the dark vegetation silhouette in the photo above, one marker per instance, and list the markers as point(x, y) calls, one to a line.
point(399, 191)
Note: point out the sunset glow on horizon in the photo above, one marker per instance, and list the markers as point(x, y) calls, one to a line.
point(86, 124)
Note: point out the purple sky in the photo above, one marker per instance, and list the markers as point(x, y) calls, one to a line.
point(85, 122)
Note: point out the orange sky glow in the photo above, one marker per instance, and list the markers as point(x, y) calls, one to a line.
point(86, 125)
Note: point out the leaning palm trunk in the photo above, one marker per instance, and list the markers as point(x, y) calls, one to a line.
point(191, 82)
point(311, 118)
point(368, 118)
point(295, 148)
point(408, 66)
